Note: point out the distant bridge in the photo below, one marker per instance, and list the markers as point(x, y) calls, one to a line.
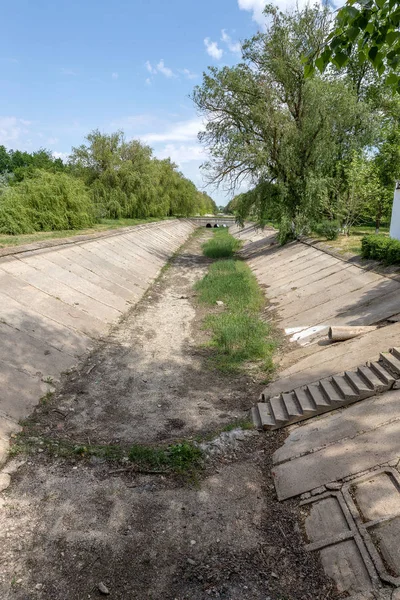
point(213, 221)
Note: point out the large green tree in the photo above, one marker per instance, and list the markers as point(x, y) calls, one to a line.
point(267, 122)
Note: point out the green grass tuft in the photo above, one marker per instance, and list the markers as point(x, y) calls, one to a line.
point(221, 245)
point(178, 458)
point(238, 334)
point(232, 282)
point(240, 337)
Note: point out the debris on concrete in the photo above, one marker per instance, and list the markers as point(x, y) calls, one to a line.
point(5, 481)
point(103, 589)
point(346, 332)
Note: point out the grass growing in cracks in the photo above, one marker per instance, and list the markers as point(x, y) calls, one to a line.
point(238, 333)
point(221, 245)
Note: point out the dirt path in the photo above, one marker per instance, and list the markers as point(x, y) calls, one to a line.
point(69, 526)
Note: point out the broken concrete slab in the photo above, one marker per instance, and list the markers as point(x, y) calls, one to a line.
point(374, 502)
point(332, 532)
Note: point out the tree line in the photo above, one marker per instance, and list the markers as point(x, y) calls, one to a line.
point(107, 177)
point(312, 145)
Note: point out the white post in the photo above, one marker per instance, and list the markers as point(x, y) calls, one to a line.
point(395, 222)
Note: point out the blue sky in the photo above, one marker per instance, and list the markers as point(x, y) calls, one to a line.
point(68, 67)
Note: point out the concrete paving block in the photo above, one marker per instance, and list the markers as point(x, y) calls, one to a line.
point(377, 497)
point(373, 500)
point(332, 532)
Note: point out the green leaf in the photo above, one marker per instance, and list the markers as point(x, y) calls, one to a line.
point(372, 54)
point(392, 79)
point(369, 28)
point(320, 63)
point(380, 3)
point(391, 37)
point(352, 33)
point(309, 70)
point(362, 57)
point(340, 59)
point(349, 12)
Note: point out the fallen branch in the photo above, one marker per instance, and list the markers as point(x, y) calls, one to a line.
point(137, 470)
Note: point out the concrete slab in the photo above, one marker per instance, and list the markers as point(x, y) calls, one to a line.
point(107, 270)
point(332, 532)
point(31, 355)
point(49, 307)
point(338, 426)
point(64, 260)
point(24, 271)
point(337, 461)
point(77, 282)
point(20, 391)
point(374, 502)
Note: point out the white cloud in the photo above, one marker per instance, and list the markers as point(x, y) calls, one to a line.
point(166, 71)
point(150, 68)
point(114, 75)
point(63, 155)
point(159, 68)
point(256, 7)
point(148, 81)
point(187, 73)
point(213, 49)
point(181, 154)
point(233, 46)
point(12, 128)
point(181, 131)
point(51, 141)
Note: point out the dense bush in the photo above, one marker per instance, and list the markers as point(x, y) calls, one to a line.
point(107, 177)
point(328, 229)
point(380, 247)
point(45, 202)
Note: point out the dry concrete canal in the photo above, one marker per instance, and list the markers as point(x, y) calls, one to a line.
point(113, 344)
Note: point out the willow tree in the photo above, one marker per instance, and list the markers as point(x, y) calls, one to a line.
point(273, 126)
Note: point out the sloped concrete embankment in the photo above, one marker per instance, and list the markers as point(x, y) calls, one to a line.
point(309, 291)
point(56, 302)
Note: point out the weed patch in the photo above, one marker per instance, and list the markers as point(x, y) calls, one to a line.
point(221, 245)
point(232, 282)
point(238, 334)
point(180, 458)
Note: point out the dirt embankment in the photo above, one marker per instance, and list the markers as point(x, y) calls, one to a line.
point(73, 529)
